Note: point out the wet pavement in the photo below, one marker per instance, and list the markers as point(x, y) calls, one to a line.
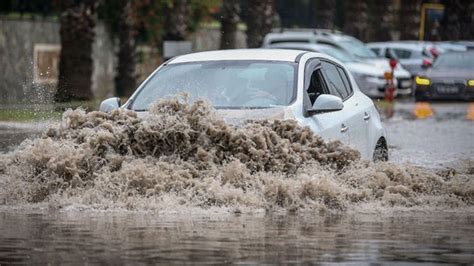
point(443, 140)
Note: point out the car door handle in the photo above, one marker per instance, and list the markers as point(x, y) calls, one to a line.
point(344, 128)
point(366, 116)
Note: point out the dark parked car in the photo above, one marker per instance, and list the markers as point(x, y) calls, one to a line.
point(450, 77)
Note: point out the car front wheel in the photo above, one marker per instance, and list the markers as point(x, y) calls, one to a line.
point(381, 151)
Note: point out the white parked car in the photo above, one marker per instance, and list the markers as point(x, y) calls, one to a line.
point(368, 75)
point(336, 39)
point(414, 56)
point(312, 88)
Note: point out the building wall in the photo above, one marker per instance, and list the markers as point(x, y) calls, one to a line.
point(18, 39)
point(26, 78)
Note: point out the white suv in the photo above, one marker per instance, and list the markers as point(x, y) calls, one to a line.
point(314, 89)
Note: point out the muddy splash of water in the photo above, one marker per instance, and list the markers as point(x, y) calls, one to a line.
point(183, 155)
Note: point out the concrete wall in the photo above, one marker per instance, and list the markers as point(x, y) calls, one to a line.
point(17, 60)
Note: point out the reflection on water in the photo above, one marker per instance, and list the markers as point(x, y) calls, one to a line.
point(91, 237)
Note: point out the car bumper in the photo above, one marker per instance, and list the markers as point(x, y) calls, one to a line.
point(442, 91)
point(377, 90)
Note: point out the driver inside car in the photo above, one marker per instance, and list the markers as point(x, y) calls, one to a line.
point(273, 90)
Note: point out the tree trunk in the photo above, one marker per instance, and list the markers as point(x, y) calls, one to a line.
point(380, 19)
point(458, 21)
point(259, 21)
point(75, 63)
point(356, 19)
point(325, 13)
point(176, 22)
point(230, 19)
point(125, 81)
point(409, 19)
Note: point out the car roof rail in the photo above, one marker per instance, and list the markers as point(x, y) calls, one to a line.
point(316, 31)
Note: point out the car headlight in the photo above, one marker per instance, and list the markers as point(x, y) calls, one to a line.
point(470, 82)
point(422, 81)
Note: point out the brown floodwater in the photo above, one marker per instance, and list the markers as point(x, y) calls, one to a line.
point(183, 186)
point(41, 237)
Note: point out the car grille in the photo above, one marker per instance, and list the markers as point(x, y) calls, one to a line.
point(448, 88)
point(404, 83)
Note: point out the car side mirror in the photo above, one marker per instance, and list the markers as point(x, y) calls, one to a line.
point(110, 104)
point(326, 103)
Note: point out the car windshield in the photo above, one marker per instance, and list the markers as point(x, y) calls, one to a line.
point(357, 48)
point(455, 60)
point(225, 84)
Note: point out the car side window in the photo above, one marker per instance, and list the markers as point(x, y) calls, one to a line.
point(376, 51)
point(346, 81)
point(335, 84)
point(316, 86)
point(402, 53)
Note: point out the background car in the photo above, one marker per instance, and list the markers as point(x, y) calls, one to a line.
point(369, 76)
point(414, 57)
point(332, 38)
point(311, 88)
point(451, 77)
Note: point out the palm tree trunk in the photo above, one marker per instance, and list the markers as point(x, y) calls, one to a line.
point(176, 21)
point(75, 63)
point(458, 21)
point(259, 21)
point(409, 19)
point(125, 81)
point(325, 13)
point(356, 19)
point(380, 19)
point(230, 18)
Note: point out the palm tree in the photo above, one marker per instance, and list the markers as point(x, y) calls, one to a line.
point(259, 21)
point(380, 19)
point(457, 22)
point(176, 24)
point(325, 13)
point(356, 18)
point(229, 20)
point(75, 63)
point(125, 80)
point(409, 19)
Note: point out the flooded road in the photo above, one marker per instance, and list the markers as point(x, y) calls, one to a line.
point(129, 238)
point(372, 214)
point(444, 140)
